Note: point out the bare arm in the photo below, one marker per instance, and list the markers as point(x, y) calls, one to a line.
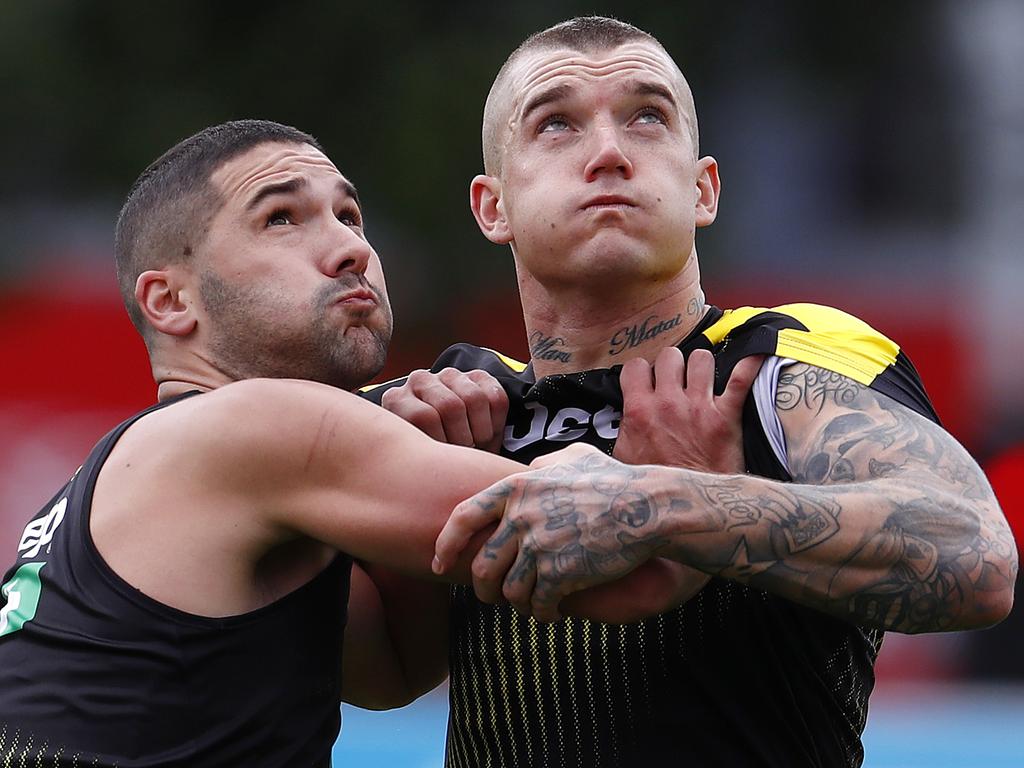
point(891, 523)
point(396, 639)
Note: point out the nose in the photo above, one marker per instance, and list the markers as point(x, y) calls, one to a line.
point(348, 251)
point(608, 155)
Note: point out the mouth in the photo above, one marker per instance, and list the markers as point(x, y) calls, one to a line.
point(362, 298)
point(607, 202)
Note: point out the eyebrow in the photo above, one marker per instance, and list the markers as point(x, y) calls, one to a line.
point(562, 91)
point(555, 93)
point(281, 188)
point(294, 185)
point(646, 88)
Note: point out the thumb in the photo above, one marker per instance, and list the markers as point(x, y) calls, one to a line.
point(740, 382)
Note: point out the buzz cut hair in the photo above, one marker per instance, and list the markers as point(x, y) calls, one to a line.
point(167, 213)
point(585, 34)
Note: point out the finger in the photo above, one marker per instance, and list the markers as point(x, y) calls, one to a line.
point(466, 519)
point(497, 402)
point(494, 560)
point(636, 380)
point(477, 410)
point(700, 373)
point(545, 602)
point(408, 407)
point(740, 382)
point(452, 411)
point(520, 580)
point(669, 370)
point(497, 410)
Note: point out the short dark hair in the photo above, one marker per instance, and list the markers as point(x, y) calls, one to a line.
point(169, 207)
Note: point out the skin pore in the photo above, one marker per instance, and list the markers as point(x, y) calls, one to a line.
point(599, 176)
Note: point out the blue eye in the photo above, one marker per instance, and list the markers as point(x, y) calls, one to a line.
point(555, 123)
point(279, 218)
point(650, 116)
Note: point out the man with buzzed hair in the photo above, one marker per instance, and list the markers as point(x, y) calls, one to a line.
point(856, 513)
point(181, 601)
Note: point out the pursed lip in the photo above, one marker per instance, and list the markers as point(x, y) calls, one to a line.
point(608, 201)
point(358, 295)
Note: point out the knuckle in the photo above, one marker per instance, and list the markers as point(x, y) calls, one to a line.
point(480, 570)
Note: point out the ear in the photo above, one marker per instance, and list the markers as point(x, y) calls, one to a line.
point(166, 301)
point(708, 189)
point(488, 209)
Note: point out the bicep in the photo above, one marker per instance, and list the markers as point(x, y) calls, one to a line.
point(358, 478)
point(840, 431)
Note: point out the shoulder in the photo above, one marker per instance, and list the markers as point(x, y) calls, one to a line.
point(825, 338)
point(251, 427)
point(809, 333)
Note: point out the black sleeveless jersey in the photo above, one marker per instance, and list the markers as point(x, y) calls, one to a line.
point(94, 673)
point(736, 676)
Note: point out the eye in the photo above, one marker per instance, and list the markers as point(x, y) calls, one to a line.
point(553, 124)
point(279, 218)
point(350, 218)
point(650, 116)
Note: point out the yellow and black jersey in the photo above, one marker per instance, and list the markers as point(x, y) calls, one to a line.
point(736, 676)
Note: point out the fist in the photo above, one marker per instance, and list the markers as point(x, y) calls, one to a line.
point(452, 406)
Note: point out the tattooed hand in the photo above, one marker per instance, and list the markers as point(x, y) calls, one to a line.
point(577, 521)
point(672, 417)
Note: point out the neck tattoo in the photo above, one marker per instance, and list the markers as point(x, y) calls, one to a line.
point(634, 335)
point(544, 347)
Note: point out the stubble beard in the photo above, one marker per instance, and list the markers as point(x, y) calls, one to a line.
point(247, 341)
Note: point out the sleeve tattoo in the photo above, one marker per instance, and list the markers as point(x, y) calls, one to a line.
point(889, 522)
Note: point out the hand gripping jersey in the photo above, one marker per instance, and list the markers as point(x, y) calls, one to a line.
point(736, 676)
point(94, 673)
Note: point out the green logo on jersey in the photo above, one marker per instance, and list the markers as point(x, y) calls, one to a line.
point(22, 596)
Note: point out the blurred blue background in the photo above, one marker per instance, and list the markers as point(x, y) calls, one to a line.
point(872, 157)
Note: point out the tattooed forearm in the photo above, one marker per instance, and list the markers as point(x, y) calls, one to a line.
point(889, 523)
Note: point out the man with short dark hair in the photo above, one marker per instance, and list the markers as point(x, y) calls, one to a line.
point(858, 513)
point(182, 599)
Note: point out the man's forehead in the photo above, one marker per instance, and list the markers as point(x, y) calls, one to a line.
point(635, 60)
point(271, 162)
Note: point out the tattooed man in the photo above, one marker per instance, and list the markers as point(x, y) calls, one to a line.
point(857, 513)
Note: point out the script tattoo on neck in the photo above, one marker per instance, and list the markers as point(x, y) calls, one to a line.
point(543, 347)
point(634, 335)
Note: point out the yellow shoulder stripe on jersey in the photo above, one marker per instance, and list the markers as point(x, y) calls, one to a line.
point(834, 340)
point(515, 365)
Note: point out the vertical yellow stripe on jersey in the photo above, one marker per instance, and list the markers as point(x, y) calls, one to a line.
point(609, 695)
point(552, 632)
point(503, 689)
point(517, 654)
point(542, 716)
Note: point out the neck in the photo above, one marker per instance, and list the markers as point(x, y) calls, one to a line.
point(176, 373)
point(575, 328)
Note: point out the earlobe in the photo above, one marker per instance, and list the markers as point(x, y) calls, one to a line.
point(709, 187)
point(165, 302)
point(488, 209)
